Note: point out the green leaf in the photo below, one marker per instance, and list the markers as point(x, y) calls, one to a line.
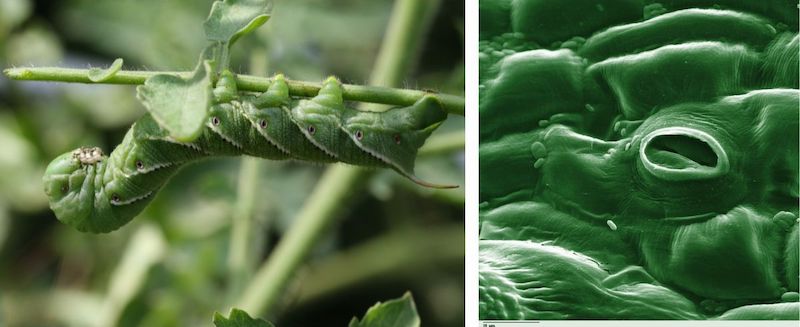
point(231, 19)
point(180, 106)
point(393, 313)
point(239, 318)
point(100, 75)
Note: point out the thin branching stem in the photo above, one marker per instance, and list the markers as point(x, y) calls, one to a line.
point(352, 92)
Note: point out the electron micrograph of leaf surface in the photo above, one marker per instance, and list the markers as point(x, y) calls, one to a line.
point(639, 159)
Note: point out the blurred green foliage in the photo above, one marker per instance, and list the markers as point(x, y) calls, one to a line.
point(239, 318)
point(170, 266)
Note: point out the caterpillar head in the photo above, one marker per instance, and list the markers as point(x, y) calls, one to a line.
point(74, 186)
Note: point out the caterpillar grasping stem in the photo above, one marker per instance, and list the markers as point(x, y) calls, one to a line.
point(95, 193)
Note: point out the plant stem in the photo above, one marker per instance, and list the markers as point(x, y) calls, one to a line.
point(333, 189)
point(409, 20)
point(352, 92)
point(406, 253)
point(225, 59)
point(241, 257)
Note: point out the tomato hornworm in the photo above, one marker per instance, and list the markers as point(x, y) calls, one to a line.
point(97, 193)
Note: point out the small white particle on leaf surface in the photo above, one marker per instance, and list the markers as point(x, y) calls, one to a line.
point(611, 225)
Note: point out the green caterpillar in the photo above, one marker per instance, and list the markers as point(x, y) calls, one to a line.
point(95, 193)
